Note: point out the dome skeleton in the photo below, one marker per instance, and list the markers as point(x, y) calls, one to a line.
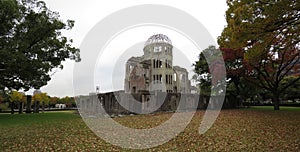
point(158, 38)
point(154, 70)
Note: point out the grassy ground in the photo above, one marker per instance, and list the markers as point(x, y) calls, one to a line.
point(282, 108)
point(235, 130)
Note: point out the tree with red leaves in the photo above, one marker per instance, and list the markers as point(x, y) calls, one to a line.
point(261, 42)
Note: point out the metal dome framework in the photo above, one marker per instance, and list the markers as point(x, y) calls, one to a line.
point(158, 38)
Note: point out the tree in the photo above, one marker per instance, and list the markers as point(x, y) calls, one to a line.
point(31, 44)
point(36, 99)
point(235, 72)
point(1, 98)
point(209, 63)
point(40, 98)
point(4, 100)
point(236, 86)
point(267, 35)
point(53, 101)
point(292, 93)
point(243, 91)
point(22, 103)
point(28, 104)
point(15, 97)
point(202, 70)
point(69, 101)
point(202, 75)
point(45, 100)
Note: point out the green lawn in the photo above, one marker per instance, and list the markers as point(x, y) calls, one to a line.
point(282, 108)
point(234, 130)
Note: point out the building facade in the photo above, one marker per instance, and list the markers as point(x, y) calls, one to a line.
point(154, 71)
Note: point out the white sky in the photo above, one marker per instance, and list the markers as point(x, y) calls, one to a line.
point(86, 13)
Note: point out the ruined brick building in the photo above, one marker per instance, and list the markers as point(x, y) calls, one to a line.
point(152, 84)
point(154, 71)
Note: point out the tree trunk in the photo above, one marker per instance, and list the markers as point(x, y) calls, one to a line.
point(34, 107)
point(37, 107)
point(43, 107)
point(276, 101)
point(12, 105)
point(28, 106)
point(21, 106)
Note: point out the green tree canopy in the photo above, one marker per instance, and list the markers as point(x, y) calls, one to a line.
point(209, 71)
point(31, 44)
point(41, 97)
point(16, 96)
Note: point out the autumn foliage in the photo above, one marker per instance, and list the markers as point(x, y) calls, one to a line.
point(261, 43)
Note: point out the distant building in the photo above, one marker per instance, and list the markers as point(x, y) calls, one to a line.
point(60, 106)
point(154, 71)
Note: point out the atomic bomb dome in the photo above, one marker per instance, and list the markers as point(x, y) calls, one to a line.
point(154, 71)
point(158, 38)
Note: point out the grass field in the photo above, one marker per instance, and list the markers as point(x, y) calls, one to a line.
point(254, 129)
point(282, 108)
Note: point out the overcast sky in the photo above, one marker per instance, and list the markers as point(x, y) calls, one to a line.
point(87, 13)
